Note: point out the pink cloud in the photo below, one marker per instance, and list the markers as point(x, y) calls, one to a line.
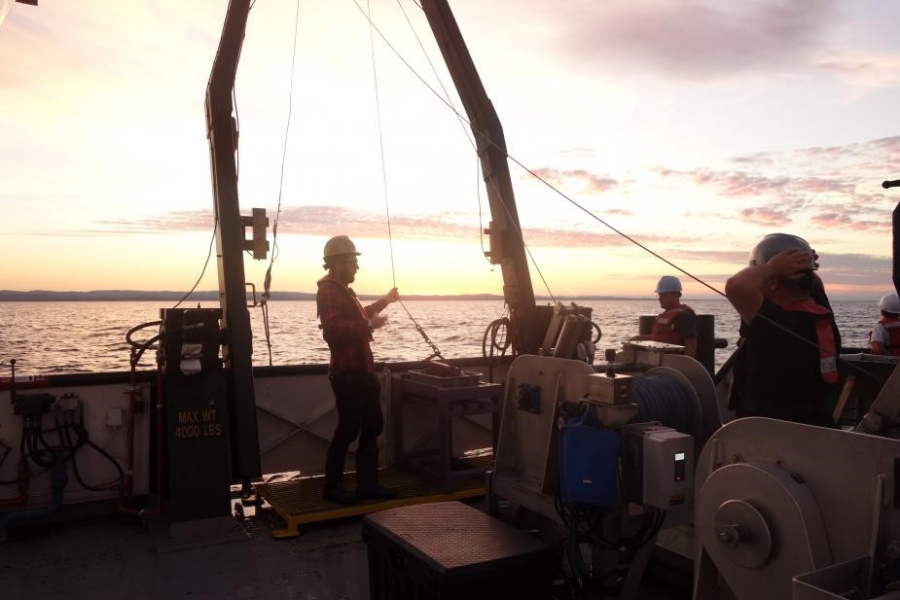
point(844, 221)
point(595, 183)
point(701, 40)
point(765, 216)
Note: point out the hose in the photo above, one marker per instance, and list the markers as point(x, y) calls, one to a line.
point(58, 481)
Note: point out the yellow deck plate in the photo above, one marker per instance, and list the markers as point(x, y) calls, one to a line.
point(300, 501)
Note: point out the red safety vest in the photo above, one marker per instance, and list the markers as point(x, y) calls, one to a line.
point(824, 336)
point(663, 327)
point(892, 324)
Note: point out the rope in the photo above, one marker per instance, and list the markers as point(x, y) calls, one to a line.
point(436, 353)
point(664, 400)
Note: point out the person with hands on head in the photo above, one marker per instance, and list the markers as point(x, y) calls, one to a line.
point(347, 327)
point(789, 339)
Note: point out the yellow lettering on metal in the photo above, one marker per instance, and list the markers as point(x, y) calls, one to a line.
point(198, 423)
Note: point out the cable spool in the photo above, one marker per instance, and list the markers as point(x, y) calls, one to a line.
point(664, 400)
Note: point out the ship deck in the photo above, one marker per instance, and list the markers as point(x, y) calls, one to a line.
point(239, 558)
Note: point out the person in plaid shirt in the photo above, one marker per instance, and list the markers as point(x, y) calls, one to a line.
point(347, 327)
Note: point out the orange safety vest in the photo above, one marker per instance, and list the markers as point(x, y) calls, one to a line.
point(824, 335)
point(663, 327)
point(892, 325)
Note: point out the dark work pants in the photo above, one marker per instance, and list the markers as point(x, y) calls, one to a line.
point(357, 395)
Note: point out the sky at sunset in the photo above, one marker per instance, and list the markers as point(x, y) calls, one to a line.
point(693, 127)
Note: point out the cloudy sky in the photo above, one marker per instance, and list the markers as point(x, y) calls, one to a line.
point(693, 128)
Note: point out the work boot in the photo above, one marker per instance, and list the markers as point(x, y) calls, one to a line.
point(367, 486)
point(376, 492)
point(339, 495)
point(333, 488)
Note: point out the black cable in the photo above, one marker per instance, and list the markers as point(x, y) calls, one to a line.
point(137, 328)
point(34, 452)
point(75, 470)
point(498, 334)
point(65, 440)
point(82, 431)
point(205, 264)
point(136, 358)
point(499, 329)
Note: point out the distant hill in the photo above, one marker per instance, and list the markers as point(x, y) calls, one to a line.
point(208, 296)
point(168, 296)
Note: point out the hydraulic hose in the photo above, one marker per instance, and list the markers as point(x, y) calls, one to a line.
point(58, 481)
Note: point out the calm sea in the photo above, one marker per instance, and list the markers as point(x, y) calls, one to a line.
point(78, 337)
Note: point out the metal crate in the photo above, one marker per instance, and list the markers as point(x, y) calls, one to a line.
point(451, 551)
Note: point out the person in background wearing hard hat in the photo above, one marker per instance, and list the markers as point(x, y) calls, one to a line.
point(885, 336)
point(347, 327)
point(787, 366)
point(677, 324)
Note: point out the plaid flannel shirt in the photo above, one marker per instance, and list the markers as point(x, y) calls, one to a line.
point(345, 326)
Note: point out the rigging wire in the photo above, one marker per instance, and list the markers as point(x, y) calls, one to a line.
point(268, 278)
point(237, 175)
point(478, 133)
point(462, 124)
point(237, 128)
point(446, 92)
point(384, 185)
point(480, 216)
point(212, 240)
point(267, 282)
point(489, 140)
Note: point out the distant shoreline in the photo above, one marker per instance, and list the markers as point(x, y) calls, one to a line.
point(209, 296)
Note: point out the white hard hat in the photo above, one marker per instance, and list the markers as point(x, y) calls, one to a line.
point(890, 303)
point(775, 243)
point(339, 244)
point(668, 283)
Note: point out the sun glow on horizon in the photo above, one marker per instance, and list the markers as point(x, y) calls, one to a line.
point(633, 126)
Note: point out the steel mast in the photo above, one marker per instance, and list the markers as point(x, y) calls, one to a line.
point(507, 248)
point(237, 338)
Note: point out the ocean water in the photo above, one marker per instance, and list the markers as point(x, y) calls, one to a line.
point(78, 337)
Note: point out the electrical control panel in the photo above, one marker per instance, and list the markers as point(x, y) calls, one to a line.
point(658, 466)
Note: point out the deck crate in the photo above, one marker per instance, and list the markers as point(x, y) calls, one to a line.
point(452, 551)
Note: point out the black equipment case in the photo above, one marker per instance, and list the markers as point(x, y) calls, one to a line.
point(451, 551)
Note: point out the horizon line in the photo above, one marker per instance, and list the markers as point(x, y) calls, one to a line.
point(137, 295)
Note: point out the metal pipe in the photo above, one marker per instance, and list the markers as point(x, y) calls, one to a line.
point(126, 492)
point(58, 480)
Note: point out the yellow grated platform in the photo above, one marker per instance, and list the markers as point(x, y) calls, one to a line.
point(300, 501)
